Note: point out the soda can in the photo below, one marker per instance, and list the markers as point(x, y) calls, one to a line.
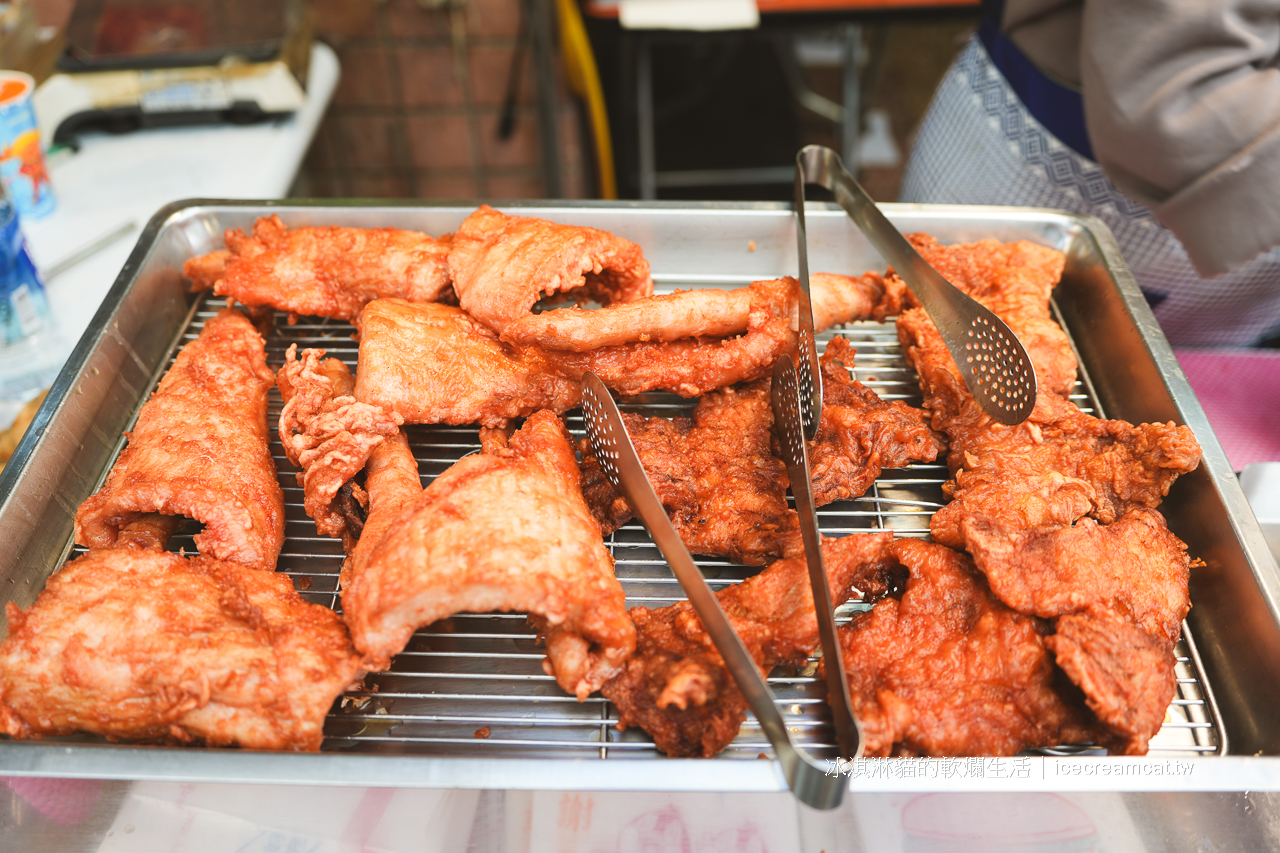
point(22, 166)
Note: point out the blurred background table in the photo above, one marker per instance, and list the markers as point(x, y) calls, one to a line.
point(782, 24)
point(111, 187)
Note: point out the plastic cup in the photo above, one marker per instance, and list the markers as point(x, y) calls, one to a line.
point(22, 166)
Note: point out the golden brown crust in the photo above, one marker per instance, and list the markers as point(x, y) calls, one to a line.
point(323, 271)
point(501, 265)
point(676, 686)
point(502, 530)
point(947, 670)
point(1058, 512)
point(147, 645)
point(200, 449)
point(700, 313)
point(326, 433)
point(392, 482)
point(436, 364)
point(433, 363)
point(719, 477)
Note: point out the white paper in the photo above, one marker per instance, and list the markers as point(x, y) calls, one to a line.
point(688, 14)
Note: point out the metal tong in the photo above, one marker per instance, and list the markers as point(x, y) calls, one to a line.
point(991, 359)
point(784, 396)
point(813, 783)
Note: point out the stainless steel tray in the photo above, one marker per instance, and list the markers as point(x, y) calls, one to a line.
point(417, 724)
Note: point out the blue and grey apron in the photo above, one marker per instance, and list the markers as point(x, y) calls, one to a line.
point(999, 131)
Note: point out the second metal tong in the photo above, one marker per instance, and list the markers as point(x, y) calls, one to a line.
point(784, 397)
point(991, 359)
point(812, 782)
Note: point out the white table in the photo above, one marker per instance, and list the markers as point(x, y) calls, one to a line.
point(114, 180)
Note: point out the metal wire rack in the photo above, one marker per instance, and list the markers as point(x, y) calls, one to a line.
point(473, 685)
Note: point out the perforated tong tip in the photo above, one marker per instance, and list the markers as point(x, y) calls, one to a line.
point(992, 361)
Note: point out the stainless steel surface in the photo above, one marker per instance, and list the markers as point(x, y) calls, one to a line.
point(992, 361)
point(784, 398)
point(814, 784)
point(415, 724)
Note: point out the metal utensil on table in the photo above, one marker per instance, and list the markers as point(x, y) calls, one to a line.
point(991, 359)
point(784, 396)
point(811, 782)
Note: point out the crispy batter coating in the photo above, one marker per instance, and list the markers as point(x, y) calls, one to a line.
point(947, 670)
point(505, 530)
point(147, 645)
point(501, 265)
point(1133, 567)
point(720, 481)
point(325, 432)
point(391, 482)
point(433, 363)
point(200, 449)
point(676, 686)
point(1057, 512)
point(704, 312)
point(859, 434)
point(1062, 464)
point(722, 487)
point(693, 366)
point(436, 364)
point(1015, 281)
point(1127, 675)
point(324, 271)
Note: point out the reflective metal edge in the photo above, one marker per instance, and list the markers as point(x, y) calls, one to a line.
point(45, 461)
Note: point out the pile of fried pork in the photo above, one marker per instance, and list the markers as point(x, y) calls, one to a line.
point(1044, 611)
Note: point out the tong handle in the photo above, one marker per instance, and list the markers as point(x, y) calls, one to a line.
point(810, 373)
point(784, 396)
point(809, 781)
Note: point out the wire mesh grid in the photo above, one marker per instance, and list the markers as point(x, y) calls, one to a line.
point(473, 685)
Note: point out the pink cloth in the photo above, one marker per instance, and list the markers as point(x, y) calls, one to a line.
point(66, 802)
point(1240, 392)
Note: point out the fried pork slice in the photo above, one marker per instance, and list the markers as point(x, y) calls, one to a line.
point(704, 312)
point(391, 482)
point(859, 434)
point(676, 686)
point(691, 367)
point(1058, 512)
point(436, 364)
point(1015, 280)
point(505, 529)
point(723, 486)
point(324, 271)
point(1060, 465)
point(1126, 674)
point(326, 433)
point(1120, 591)
point(433, 363)
point(145, 645)
point(200, 449)
point(1133, 567)
point(947, 670)
point(501, 265)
